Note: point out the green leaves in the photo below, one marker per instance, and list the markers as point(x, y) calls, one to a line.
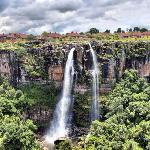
point(131, 144)
point(35, 94)
point(63, 145)
point(15, 132)
point(7, 106)
point(128, 120)
point(107, 135)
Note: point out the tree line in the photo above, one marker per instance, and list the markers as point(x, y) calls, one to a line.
point(119, 30)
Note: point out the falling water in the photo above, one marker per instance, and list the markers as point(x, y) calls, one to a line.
point(59, 125)
point(95, 87)
point(112, 67)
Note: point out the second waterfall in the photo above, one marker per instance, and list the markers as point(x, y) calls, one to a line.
point(95, 87)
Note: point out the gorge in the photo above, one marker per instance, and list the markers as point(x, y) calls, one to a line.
point(62, 117)
point(76, 65)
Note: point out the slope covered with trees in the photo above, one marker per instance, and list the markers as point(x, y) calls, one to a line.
point(16, 133)
point(128, 120)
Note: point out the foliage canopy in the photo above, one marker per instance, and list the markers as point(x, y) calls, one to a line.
point(128, 121)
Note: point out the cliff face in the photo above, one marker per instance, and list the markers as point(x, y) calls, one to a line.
point(5, 69)
point(9, 66)
point(48, 63)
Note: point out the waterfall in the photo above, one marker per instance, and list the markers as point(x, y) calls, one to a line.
point(95, 87)
point(112, 68)
point(122, 63)
point(61, 119)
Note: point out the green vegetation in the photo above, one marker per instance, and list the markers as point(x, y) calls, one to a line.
point(16, 133)
point(63, 145)
point(119, 30)
point(30, 37)
point(17, 46)
point(93, 31)
point(34, 66)
point(82, 106)
point(128, 121)
point(133, 50)
point(125, 111)
point(21, 46)
point(45, 34)
point(40, 95)
point(138, 29)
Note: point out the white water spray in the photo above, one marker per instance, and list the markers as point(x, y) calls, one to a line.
point(95, 87)
point(59, 125)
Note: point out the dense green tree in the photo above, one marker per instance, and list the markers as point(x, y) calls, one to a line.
point(81, 33)
point(81, 106)
point(37, 95)
point(30, 37)
point(130, 30)
point(107, 31)
point(136, 29)
point(45, 34)
point(93, 31)
point(143, 30)
point(63, 145)
point(16, 133)
point(119, 30)
point(128, 121)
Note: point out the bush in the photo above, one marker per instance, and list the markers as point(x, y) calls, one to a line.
point(15, 132)
point(63, 145)
point(40, 95)
point(128, 121)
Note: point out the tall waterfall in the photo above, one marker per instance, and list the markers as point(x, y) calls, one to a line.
point(61, 119)
point(95, 87)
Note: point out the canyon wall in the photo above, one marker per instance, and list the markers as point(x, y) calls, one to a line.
point(53, 63)
point(113, 60)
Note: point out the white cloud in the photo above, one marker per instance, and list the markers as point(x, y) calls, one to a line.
point(36, 16)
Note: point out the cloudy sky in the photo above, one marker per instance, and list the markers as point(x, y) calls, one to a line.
point(36, 16)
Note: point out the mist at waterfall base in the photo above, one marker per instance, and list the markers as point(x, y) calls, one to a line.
point(95, 87)
point(62, 116)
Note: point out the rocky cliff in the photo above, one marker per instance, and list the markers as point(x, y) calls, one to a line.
point(48, 62)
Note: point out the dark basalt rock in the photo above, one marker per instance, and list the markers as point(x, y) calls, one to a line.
point(51, 56)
